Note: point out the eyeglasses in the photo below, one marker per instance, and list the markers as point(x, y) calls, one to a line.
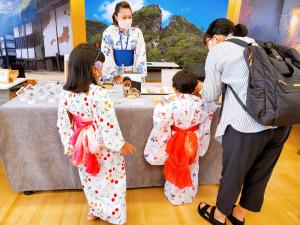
point(208, 40)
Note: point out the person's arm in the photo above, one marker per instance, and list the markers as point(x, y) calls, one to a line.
point(64, 125)
point(212, 87)
point(207, 112)
point(106, 120)
point(140, 64)
point(110, 69)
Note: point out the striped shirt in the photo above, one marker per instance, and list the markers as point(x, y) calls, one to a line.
point(225, 63)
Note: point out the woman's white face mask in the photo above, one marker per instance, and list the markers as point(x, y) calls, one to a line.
point(125, 24)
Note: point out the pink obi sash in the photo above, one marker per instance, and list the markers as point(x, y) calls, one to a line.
point(85, 144)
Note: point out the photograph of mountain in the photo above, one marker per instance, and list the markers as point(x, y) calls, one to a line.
point(173, 30)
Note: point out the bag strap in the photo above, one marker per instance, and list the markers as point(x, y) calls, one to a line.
point(238, 98)
point(289, 63)
point(224, 89)
point(239, 42)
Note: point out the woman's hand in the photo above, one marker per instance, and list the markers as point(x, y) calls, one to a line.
point(118, 80)
point(128, 149)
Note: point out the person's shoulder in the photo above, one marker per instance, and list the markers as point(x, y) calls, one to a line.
point(246, 39)
point(228, 44)
point(111, 28)
point(64, 93)
point(96, 88)
point(97, 91)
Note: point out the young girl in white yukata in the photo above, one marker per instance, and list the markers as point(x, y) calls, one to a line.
point(123, 46)
point(181, 134)
point(91, 134)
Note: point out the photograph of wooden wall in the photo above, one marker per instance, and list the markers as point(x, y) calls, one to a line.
point(44, 35)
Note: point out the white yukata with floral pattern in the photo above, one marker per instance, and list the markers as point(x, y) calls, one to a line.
point(105, 192)
point(185, 112)
point(111, 41)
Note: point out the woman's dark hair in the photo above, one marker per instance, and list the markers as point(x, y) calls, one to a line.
point(185, 82)
point(120, 5)
point(240, 30)
point(225, 27)
point(126, 78)
point(80, 74)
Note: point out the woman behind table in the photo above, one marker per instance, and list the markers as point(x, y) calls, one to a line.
point(250, 150)
point(180, 135)
point(91, 134)
point(123, 46)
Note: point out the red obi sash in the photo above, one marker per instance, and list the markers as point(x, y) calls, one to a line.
point(85, 144)
point(182, 149)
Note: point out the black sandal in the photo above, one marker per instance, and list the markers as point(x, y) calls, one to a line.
point(234, 220)
point(209, 216)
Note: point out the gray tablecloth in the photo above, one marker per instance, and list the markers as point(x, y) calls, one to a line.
point(32, 152)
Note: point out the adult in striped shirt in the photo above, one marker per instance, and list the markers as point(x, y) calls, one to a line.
point(250, 150)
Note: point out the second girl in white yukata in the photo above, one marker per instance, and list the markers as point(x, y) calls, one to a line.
point(91, 134)
point(123, 46)
point(181, 134)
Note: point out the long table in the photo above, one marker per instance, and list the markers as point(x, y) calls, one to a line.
point(5, 89)
point(32, 152)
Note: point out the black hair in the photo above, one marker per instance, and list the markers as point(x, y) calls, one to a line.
point(225, 27)
point(185, 82)
point(80, 74)
point(120, 5)
point(240, 30)
point(126, 78)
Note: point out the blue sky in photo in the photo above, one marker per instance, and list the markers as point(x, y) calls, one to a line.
point(200, 12)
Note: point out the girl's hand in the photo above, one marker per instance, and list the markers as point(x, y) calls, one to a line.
point(128, 149)
point(198, 88)
point(69, 151)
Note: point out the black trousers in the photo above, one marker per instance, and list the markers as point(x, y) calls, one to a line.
point(248, 161)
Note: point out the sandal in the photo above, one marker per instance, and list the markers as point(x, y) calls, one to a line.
point(209, 216)
point(234, 220)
